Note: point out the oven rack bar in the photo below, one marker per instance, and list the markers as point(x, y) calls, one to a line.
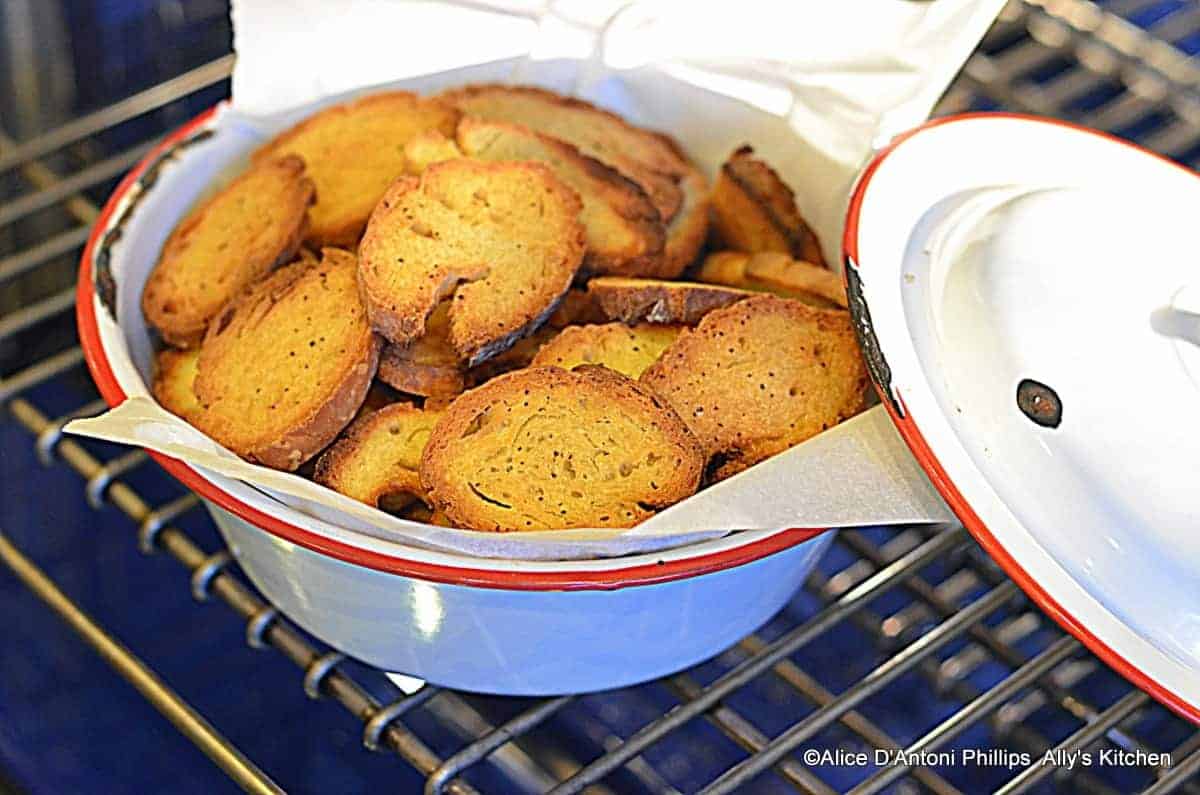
point(223, 753)
point(212, 575)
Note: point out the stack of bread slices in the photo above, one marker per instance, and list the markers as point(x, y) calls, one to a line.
point(492, 309)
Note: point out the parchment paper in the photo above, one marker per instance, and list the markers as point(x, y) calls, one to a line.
point(814, 87)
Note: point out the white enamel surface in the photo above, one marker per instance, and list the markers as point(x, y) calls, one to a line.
point(993, 250)
point(480, 639)
point(516, 642)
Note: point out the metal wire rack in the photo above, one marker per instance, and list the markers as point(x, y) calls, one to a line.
point(891, 618)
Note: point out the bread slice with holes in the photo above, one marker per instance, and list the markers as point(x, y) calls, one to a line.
point(642, 156)
point(759, 376)
point(753, 210)
point(503, 238)
point(250, 226)
point(428, 366)
point(376, 460)
point(629, 350)
point(658, 301)
point(546, 449)
point(772, 272)
point(174, 379)
point(354, 151)
point(623, 230)
point(285, 366)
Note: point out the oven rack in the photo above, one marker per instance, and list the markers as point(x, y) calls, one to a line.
point(922, 613)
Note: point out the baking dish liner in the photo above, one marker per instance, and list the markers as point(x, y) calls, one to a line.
point(815, 90)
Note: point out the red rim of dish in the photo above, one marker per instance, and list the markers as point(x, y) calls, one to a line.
point(610, 579)
point(911, 434)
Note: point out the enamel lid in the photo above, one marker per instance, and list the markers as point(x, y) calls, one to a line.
point(1027, 295)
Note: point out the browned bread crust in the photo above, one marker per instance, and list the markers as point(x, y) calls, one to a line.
point(759, 376)
point(174, 377)
point(378, 456)
point(244, 230)
point(504, 238)
point(286, 365)
point(577, 307)
point(641, 155)
point(656, 301)
point(420, 369)
point(623, 230)
point(772, 272)
point(428, 366)
point(753, 210)
point(545, 449)
point(627, 350)
point(688, 229)
point(518, 356)
point(354, 151)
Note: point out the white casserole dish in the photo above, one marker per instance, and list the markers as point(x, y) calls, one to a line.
point(498, 626)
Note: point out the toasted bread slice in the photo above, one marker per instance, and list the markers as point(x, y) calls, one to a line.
point(655, 301)
point(249, 227)
point(576, 308)
point(623, 230)
point(174, 378)
point(753, 210)
point(616, 346)
point(354, 151)
point(378, 456)
point(508, 230)
point(519, 355)
point(759, 376)
point(640, 155)
point(688, 229)
point(546, 449)
point(427, 366)
point(285, 366)
point(422, 368)
point(430, 147)
point(771, 272)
